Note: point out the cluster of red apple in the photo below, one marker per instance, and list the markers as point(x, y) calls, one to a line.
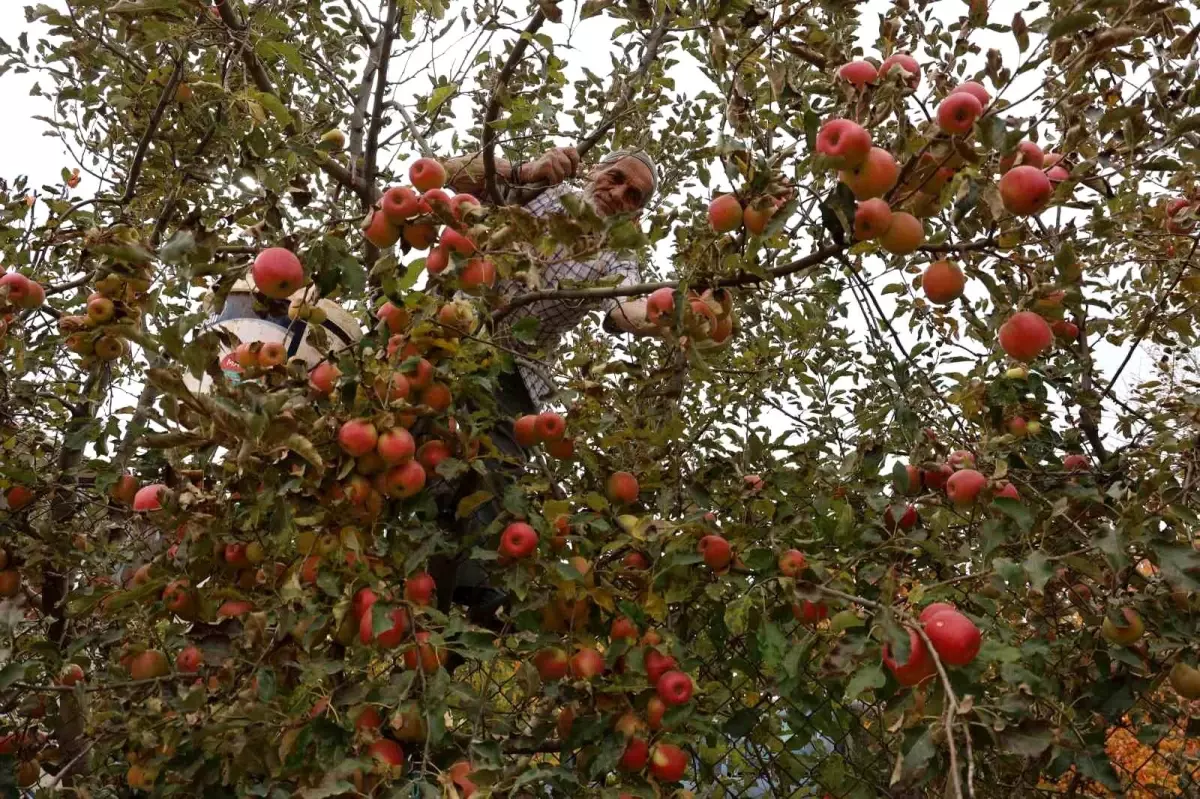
point(402, 212)
point(99, 333)
point(955, 639)
point(672, 688)
point(709, 314)
point(17, 292)
point(726, 213)
point(548, 428)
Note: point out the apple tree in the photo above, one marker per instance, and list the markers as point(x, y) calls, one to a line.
point(898, 500)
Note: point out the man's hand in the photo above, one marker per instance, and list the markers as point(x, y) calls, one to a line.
point(556, 165)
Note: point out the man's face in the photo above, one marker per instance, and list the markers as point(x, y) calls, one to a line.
point(620, 187)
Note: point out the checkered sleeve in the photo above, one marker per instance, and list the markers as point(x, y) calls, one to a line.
point(631, 275)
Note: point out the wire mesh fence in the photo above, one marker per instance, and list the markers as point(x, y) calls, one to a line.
point(775, 724)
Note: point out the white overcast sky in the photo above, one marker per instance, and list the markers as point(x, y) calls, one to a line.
point(27, 151)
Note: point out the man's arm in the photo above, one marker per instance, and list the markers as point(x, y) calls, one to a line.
point(629, 316)
point(464, 173)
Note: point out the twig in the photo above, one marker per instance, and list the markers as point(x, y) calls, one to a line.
point(1144, 327)
point(426, 150)
point(65, 770)
point(493, 106)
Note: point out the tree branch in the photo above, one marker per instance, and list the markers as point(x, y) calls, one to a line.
point(384, 56)
point(493, 106)
point(139, 155)
point(640, 289)
point(1144, 327)
point(648, 57)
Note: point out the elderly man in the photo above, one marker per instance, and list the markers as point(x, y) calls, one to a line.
point(621, 183)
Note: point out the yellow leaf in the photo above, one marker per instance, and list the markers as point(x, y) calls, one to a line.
point(469, 504)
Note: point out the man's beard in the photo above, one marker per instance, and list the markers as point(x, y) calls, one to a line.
point(589, 197)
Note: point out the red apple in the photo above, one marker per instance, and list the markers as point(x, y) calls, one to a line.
point(919, 666)
point(623, 627)
point(716, 551)
point(550, 426)
point(427, 174)
point(859, 72)
point(622, 488)
point(189, 660)
point(964, 486)
point(871, 219)
point(419, 588)
point(956, 114)
point(809, 613)
point(277, 272)
point(908, 519)
point(1007, 490)
point(668, 762)
point(974, 89)
point(657, 664)
point(1026, 154)
point(387, 754)
point(149, 497)
point(551, 664)
point(935, 479)
point(518, 540)
point(1076, 463)
point(399, 204)
point(943, 282)
point(525, 430)
point(792, 563)
point(933, 609)
point(324, 377)
point(955, 638)
point(1025, 190)
point(636, 753)
point(874, 177)
point(844, 142)
point(725, 213)
point(1025, 335)
point(674, 687)
point(586, 664)
point(905, 64)
point(389, 638)
point(904, 235)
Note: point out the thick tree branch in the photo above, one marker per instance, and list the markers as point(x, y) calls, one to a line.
point(641, 289)
point(384, 57)
point(649, 55)
point(493, 107)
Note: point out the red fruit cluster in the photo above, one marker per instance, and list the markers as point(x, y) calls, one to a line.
point(547, 428)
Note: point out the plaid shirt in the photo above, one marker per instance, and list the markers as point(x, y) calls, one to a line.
point(558, 317)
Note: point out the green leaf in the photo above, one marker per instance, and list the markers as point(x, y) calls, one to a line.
point(1029, 739)
point(525, 330)
point(12, 672)
point(1038, 567)
point(275, 106)
point(1015, 510)
point(868, 676)
point(921, 751)
point(266, 684)
point(440, 95)
point(741, 723)
point(468, 504)
point(1071, 23)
